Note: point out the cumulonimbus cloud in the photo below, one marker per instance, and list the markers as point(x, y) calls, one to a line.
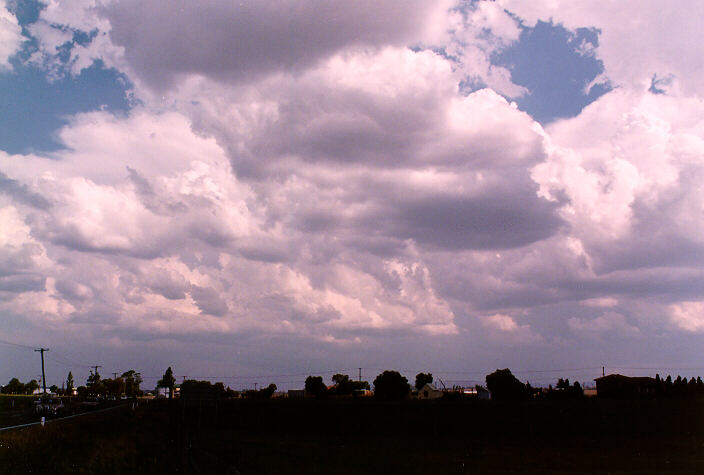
point(319, 174)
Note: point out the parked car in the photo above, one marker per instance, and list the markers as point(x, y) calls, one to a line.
point(91, 401)
point(49, 406)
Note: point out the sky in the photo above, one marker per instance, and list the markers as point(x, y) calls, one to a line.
point(256, 191)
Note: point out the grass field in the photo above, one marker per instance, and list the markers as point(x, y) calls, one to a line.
point(366, 436)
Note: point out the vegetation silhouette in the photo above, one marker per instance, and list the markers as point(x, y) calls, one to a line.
point(390, 385)
point(504, 386)
point(344, 386)
point(15, 386)
point(264, 393)
point(69, 383)
point(167, 381)
point(422, 379)
point(315, 387)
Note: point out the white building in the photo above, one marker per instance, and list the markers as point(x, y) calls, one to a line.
point(429, 392)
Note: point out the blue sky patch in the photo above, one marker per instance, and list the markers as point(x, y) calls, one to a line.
point(33, 107)
point(555, 65)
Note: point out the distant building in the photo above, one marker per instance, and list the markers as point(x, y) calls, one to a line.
point(429, 392)
point(164, 392)
point(589, 392)
point(362, 393)
point(617, 386)
point(478, 392)
point(296, 393)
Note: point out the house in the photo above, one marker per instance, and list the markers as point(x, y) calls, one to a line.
point(429, 392)
point(617, 386)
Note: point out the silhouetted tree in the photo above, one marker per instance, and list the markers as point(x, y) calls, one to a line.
point(268, 391)
point(390, 385)
point(315, 386)
point(168, 381)
point(114, 387)
point(264, 393)
point(14, 386)
point(668, 386)
point(503, 385)
point(193, 389)
point(422, 379)
point(31, 386)
point(94, 384)
point(577, 390)
point(340, 379)
point(530, 389)
point(344, 386)
point(69, 383)
point(132, 381)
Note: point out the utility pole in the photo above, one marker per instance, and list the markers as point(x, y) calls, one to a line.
point(360, 374)
point(114, 375)
point(42, 350)
point(255, 386)
point(603, 371)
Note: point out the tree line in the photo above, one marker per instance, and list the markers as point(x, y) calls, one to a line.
point(679, 387)
point(125, 385)
point(15, 386)
point(388, 385)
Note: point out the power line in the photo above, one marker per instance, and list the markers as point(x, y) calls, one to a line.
point(17, 345)
point(67, 362)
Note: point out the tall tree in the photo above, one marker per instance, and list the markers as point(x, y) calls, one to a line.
point(31, 386)
point(315, 386)
point(168, 381)
point(94, 384)
point(132, 381)
point(503, 385)
point(69, 384)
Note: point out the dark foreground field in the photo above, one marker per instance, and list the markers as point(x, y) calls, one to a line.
point(366, 436)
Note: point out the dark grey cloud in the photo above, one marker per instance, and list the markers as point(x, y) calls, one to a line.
point(72, 290)
point(493, 221)
point(235, 41)
point(209, 300)
point(22, 283)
